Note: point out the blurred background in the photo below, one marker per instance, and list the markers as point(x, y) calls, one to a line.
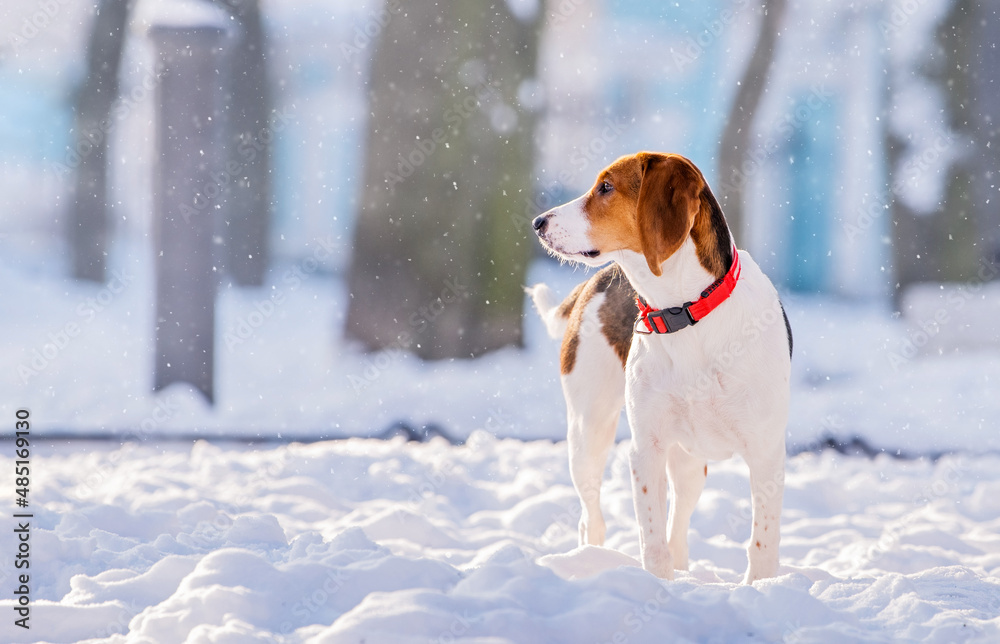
point(309, 218)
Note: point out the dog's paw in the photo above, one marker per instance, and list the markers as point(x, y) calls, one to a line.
point(657, 560)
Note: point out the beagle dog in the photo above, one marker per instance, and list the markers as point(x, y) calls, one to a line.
point(702, 378)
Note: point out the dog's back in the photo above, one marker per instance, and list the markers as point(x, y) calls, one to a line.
point(601, 310)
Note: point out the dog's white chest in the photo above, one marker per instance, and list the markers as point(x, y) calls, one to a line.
point(681, 397)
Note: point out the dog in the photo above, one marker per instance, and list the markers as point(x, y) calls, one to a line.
point(703, 379)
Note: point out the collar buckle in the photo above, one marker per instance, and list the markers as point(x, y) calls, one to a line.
point(668, 320)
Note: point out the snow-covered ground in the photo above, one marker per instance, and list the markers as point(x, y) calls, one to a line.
point(384, 541)
point(366, 540)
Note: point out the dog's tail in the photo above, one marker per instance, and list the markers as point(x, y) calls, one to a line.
point(555, 316)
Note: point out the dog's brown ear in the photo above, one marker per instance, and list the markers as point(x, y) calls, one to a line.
point(668, 203)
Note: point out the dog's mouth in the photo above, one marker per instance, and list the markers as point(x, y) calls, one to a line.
point(560, 252)
point(569, 255)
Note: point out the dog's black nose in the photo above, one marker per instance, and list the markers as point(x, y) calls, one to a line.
point(539, 223)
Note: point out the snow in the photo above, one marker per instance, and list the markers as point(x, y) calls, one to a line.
point(284, 370)
point(183, 14)
point(385, 541)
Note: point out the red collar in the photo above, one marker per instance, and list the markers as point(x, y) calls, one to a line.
point(678, 317)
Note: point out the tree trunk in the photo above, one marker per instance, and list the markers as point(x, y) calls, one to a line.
point(735, 143)
point(954, 237)
point(952, 242)
point(439, 261)
point(246, 207)
point(88, 218)
point(985, 99)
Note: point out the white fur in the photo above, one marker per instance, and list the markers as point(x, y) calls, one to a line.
point(712, 390)
point(566, 233)
point(548, 309)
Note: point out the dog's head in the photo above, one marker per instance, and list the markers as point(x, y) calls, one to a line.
point(648, 203)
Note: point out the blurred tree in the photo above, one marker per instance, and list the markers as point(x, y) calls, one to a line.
point(88, 218)
point(962, 235)
point(985, 120)
point(246, 208)
point(735, 143)
point(439, 261)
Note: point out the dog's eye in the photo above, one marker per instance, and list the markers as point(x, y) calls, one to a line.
point(604, 188)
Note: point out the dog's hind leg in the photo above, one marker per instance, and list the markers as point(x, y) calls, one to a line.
point(591, 435)
point(686, 474)
point(595, 393)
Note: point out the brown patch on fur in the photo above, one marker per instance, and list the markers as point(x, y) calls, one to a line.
point(567, 355)
point(643, 489)
point(618, 311)
point(711, 235)
point(706, 470)
point(566, 306)
point(669, 200)
point(617, 314)
point(571, 338)
point(758, 545)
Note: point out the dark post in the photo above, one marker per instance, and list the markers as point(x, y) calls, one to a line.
point(88, 217)
point(190, 152)
point(247, 211)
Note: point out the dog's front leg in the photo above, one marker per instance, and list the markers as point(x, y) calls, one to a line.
point(767, 487)
point(648, 463)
